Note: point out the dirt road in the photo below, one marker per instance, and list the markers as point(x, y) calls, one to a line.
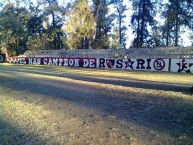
point(74, 106)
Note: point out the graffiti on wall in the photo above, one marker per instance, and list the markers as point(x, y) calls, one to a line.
point(73, 62)
point(134, 64)
point(182, 65)
point(167, 65)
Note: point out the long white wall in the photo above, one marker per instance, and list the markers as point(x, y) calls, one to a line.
point(167, 65)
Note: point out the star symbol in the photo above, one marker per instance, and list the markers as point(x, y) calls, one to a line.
point(191, 64)
point(129, 63)
point(184, 66)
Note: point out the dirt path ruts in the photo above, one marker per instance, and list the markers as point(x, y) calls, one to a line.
point(50, 105)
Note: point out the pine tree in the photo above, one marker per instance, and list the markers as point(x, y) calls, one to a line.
point(53, 31)
point(178, 13)
point(121, 26)
point(81, 25)
point(142, 17)
point(103, 23)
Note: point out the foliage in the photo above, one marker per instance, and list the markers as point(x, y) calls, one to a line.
point(178, 14)
point(91, 24)
point(81, 25)
point(103, 23)
point(121, 8)
point(13, 31)
point(142, 17)
point(53, 31)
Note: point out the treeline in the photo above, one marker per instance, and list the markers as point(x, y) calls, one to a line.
point(83, 24)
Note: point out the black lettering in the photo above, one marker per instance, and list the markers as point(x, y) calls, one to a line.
point(101, 62)
point(140, 64)
point(119, 63)
point(148, 64)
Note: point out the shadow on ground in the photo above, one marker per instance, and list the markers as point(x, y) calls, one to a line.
point(10, 135)
point(165, 114)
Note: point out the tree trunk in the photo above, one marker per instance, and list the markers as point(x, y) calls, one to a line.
point(138, 27)
point(167, 33)
point(120, 25)
point(142, 25)
point(177, 23)
point(176, 30)
point(96, 16)
point(54, 27)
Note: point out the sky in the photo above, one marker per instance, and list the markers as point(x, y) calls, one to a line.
point(184, 37)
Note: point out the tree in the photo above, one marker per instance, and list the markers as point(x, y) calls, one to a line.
point(54, 32)
point(178, 14)
point(122, 28)
point(103, 23)
point(36, 33)
point(37, 36)
point(114, 38)
point(142, 17)
point(81, 25)
point(167, 28)
point(13, 31)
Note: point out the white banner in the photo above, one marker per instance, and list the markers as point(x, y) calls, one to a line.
point(167, 65)
point(134, 64)
point(182, 65)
